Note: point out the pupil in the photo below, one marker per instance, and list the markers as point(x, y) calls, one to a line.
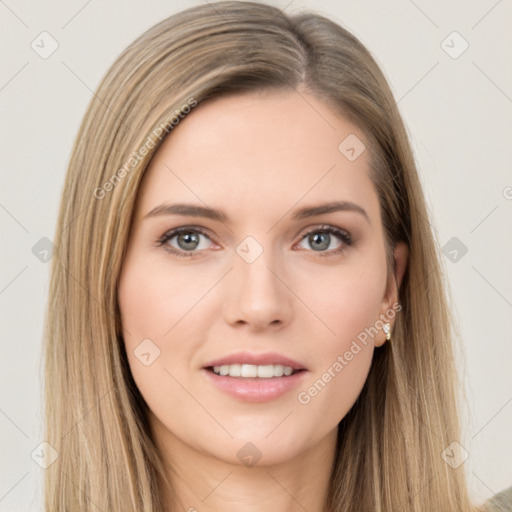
point(188, 238)
point(318, 238)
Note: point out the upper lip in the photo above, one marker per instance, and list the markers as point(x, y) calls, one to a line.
point(256, 359)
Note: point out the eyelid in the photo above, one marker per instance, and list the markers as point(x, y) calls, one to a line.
point(328, 228)
point(342, 234)
point(171, 233)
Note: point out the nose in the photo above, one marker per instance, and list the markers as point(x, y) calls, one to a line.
point(258, 295)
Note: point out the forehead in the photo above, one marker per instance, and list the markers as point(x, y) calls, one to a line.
point(260, 153)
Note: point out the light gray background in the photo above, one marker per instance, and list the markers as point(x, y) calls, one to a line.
point(457, 110)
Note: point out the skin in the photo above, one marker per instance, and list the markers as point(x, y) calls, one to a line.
point(258, 157)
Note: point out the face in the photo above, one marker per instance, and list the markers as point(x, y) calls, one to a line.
point(245, 309)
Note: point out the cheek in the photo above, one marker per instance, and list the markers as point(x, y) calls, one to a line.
point(349, 304)
point(154, 312)
point(154, 302)
point(166, 313)
point(347, 300)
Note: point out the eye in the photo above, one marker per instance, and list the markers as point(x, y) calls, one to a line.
point(185, 241)
point(322, 238)
point(188, 241)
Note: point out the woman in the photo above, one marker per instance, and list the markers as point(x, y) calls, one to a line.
point(246, 308)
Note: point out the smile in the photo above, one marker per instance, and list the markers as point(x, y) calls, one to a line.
point(267, 371)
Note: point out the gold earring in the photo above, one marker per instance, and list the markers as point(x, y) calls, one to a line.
point(387, 329)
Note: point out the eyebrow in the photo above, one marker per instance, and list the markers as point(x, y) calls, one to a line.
point(192, 210)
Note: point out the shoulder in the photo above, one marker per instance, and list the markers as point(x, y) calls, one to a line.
point(501, 502)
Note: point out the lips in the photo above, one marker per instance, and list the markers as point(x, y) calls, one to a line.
point(247, 358)
point(254, 377)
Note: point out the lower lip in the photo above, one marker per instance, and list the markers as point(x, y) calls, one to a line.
point(255, 389)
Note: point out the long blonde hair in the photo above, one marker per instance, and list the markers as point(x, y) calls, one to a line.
point(390, 444)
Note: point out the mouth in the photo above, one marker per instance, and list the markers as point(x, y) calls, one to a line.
point(255, 378)
point(242, 371)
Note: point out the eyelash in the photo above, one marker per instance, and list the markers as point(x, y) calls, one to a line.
point(343, 235)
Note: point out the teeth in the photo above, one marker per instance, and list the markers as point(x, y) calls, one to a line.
point(278, 370)
point(266, 371)
point(249, 370)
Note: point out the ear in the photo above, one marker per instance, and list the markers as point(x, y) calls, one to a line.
point(401, 257)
